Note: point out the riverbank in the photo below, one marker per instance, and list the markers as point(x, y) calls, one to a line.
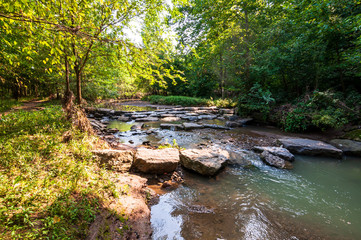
point(52, 187)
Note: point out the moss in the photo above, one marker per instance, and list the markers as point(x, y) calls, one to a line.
point(353, 135)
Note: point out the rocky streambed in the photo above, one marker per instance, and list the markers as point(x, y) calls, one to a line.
point(206, 141)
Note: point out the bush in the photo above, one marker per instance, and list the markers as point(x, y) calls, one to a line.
point(178, 100)
point(322, 110)
point(7, 104)
point(189, 101)
point(257, 100)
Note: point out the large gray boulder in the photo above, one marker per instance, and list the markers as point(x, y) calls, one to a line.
point(117, 160)
point(349, 147)
point(204, 161)
point(310, 147)
point(278, 151)
point(156, 160)
point(274, 160)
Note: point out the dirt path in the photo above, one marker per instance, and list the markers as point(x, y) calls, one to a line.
point(32, 105)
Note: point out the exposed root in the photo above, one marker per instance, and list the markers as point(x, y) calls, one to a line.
point(76, 114)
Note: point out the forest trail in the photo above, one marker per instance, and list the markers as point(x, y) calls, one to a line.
point(32, 105)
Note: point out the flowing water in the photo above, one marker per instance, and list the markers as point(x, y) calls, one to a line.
point(319, 199)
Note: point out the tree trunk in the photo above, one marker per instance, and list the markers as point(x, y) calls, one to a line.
point(67, 81)
point(78, 85)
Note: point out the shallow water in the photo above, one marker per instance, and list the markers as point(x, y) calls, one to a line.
point(318, 199)
point(120, 107)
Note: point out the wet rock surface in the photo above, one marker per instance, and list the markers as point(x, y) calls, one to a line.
point(310, 147)
point(274, 160)
point(277, 151)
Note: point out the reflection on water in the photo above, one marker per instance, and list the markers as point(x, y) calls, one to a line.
point(319, 199)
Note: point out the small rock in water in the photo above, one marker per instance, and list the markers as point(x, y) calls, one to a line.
point(275, 161)
point(131, 141)
point(278, 151)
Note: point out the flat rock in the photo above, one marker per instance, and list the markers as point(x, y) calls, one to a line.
point(134, 116)
point(278, 151)
point(123, 118)
point(226, 111)
point(274, 160)
point(117, 160)
point(206, 117)
point(189, 126)
point(215, 126)
point(156, 160)
point(171, 119)
point(310, 147)
point(189, 118)
point(349, 147)
point(147, 119)
point(171, 126)
point(204, 161)
point(167, 115)
point(191, 114)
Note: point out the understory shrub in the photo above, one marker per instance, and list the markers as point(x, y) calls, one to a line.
point(322, 110)
point(257, 100)
point(189, 101)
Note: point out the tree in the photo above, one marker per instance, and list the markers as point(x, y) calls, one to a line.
point(77, 30)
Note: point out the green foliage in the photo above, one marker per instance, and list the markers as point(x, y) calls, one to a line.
point(190, 101)
point(178, 100)
point(257, 100)
point(174, 144)
point(7, 104)
point(321, 110)
point(49, 188)
point(353, 135)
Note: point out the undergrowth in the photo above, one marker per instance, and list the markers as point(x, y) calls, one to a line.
point(7, 104)
point(189, 101)
point(49, 188)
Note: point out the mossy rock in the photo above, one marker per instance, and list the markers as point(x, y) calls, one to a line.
point(353, 135)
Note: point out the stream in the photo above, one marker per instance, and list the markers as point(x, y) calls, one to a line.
point(320, 198)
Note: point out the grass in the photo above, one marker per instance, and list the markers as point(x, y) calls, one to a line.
point(7, 104)
point(49, 189)
point(189, 101)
